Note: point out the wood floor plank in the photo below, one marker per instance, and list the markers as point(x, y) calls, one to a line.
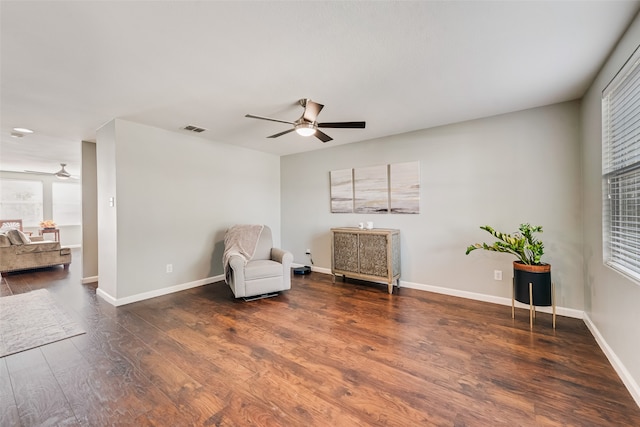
point(8, 407)
point(38, 396)
point(5, 290)
point(87, 393)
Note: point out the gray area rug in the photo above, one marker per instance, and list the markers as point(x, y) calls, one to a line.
point(33, 319)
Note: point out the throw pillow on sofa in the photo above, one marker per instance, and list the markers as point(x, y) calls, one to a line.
point(17, 237)
point(4, 241)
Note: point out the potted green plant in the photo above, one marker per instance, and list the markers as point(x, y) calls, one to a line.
point(528, 268)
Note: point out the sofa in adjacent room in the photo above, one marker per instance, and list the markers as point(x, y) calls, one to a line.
point(20, 252)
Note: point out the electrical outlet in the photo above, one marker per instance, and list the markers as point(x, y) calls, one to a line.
point(497, 274)
point(169, 268)
point(308, 252)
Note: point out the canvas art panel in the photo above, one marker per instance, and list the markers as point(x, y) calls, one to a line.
point(342, 191)
point(404, 187)
point(371, 189)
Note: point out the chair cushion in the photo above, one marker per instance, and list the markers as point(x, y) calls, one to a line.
point(35, 247)
point(261, 268)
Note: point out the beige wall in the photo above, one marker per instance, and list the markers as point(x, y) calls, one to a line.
point(500, 171)
point(175, 196)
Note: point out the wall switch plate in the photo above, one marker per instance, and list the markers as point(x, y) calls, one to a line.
point(497, 274)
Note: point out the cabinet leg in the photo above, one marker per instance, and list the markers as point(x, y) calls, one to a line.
point(390, 286)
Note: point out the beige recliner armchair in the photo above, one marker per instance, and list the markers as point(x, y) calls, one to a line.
point(253, 267)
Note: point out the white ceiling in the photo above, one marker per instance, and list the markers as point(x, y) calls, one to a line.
point(68, 67)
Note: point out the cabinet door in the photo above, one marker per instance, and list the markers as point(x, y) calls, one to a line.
point(373, 255)
point(345, 251)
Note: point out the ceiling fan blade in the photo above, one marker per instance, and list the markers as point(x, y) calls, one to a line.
point(251, 116)
point(311, 110)
point(281, 133)
point(322, 136)
point(342, 125)
point(38, 173)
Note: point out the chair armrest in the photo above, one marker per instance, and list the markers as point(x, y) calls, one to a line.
point(236, 262)
point(235, 275)
point(281, 256)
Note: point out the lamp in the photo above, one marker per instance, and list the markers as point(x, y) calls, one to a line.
point(305, 129)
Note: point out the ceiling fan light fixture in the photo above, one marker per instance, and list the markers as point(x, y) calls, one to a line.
point(62, 173)
point(305, 129)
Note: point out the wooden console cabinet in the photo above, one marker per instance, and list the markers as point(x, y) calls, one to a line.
point(372, 255)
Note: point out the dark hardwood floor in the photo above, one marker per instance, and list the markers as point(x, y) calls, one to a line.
point(322, 354)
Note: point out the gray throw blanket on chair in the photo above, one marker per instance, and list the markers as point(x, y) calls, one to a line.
point(240, 240)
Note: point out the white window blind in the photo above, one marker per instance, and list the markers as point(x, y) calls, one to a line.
point(621, 170)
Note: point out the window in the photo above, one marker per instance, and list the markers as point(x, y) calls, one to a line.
point(621, 170)
point(21, 200)
point(67, 203)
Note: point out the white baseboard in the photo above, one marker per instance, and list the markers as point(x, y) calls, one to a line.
point(313, 268)
point(107, 297)
point(321, 270)
point(91, 279)
point(157, 292)
point(562, 311)
point(623, 373)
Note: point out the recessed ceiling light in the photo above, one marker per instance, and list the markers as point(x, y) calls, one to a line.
point(23, 130)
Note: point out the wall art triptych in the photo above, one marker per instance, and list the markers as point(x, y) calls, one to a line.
point(393, 188)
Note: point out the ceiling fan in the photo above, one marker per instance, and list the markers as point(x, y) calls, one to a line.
point(308, 125)
point(61, 174)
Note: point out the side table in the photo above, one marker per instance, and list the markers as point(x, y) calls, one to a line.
point(55, 231)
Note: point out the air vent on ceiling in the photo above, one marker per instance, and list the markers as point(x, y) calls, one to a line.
point(194, 128)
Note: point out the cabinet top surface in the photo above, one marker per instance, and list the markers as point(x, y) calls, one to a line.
point(361, 230)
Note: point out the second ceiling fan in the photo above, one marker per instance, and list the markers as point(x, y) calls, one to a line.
point(308, 125)
point(61, 174)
